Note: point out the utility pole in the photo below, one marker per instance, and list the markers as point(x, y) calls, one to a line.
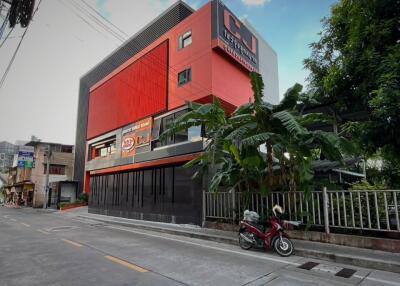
point(46, 187)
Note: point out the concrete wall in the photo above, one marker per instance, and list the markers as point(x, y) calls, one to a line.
point(38, 177)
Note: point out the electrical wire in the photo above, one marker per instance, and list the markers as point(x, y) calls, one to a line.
point(96, 20)
point(6, 37)
point(123, 40)
point(3, 78)
point(105, 19)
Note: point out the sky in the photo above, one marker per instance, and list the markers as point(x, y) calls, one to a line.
point(40, 94)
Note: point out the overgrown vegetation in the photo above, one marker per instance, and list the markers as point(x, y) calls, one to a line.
point(355, 69)
point(233, 156)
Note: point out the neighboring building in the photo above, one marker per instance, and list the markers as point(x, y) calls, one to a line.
point(61, 167)
point(26, 183)
point(3, 183)
point(7, 151)
point(132, 96)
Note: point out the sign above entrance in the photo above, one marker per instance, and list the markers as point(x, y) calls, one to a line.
point(135, 136)
point(232, 36)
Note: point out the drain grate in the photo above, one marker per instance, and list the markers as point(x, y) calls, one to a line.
point(346, 273)
point(308, 265)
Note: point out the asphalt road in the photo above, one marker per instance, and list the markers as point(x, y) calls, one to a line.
point(43, 248)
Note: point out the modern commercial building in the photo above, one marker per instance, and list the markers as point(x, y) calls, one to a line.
point(132, 96)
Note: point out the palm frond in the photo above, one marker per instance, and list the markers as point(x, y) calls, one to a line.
point(241, 131)
point(315, 118)
point(257, 140)
point(290, 98)
point(257, 85)
point(289, 121)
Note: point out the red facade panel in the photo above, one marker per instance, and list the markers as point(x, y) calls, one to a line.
point(137, 91)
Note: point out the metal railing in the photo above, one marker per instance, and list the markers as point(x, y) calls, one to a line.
point(368, 210)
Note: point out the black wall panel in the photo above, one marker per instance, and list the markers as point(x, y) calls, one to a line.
point(165, 194)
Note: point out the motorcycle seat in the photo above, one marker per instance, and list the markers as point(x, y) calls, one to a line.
point(256, 225)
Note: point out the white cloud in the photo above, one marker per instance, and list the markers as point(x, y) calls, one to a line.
point(255, 2)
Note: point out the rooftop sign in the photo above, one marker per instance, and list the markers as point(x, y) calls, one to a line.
point(232, 36)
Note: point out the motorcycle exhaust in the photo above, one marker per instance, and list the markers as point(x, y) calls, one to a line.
point(246, 238)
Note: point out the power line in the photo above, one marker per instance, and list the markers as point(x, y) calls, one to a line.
point(122, 39)
point(80, 17)
point(16, 51)
point(105, 19)
point(97, 20)
point(6, 37)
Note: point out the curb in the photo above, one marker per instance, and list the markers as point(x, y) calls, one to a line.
point(216, 238)
point(365, 262)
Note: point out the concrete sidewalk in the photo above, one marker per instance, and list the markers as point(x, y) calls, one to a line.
point(368, 258)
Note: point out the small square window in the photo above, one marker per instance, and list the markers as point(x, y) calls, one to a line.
point(185, 40)
point(185, 76)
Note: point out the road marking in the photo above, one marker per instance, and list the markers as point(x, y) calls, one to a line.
point(264, 257)
point(245, 254)
point(378, 280)
point(25, 224)
point(13, 219)
point(42, 231)
point(72, 242)
point(126, 264)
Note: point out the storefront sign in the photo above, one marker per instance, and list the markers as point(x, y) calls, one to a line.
point(233, 37)
point(135, 136)
point(25, 157)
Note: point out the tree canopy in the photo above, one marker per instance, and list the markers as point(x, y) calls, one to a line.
point(355, 66)
point(232, 153)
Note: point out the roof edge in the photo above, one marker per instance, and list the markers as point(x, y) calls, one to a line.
point(176, 4)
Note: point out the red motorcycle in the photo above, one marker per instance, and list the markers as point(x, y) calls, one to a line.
point(251, 234)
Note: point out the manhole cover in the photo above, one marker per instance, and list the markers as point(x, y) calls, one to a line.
point(62, 228)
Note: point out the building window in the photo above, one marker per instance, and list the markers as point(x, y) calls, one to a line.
point(185, 76)
point(55, 169)
point(103, 148)
point(185, 40)
point(66, 149)
point(161, 124)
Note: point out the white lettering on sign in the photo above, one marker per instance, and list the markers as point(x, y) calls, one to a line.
point(237, 45)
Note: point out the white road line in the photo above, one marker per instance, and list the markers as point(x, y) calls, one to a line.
point(264, 257)
point(377, 280)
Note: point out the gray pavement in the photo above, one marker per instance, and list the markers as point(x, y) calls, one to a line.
point(44, 248)
point(368, 258)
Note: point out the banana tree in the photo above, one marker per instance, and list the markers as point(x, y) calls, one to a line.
point(234, 143)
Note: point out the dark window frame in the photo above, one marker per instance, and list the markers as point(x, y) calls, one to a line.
point(109, 146)
point(185, 40)
point(185, 76)
point(55, 169)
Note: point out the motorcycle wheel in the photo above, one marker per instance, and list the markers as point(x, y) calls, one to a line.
point(243, 243)
point(283, 247)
